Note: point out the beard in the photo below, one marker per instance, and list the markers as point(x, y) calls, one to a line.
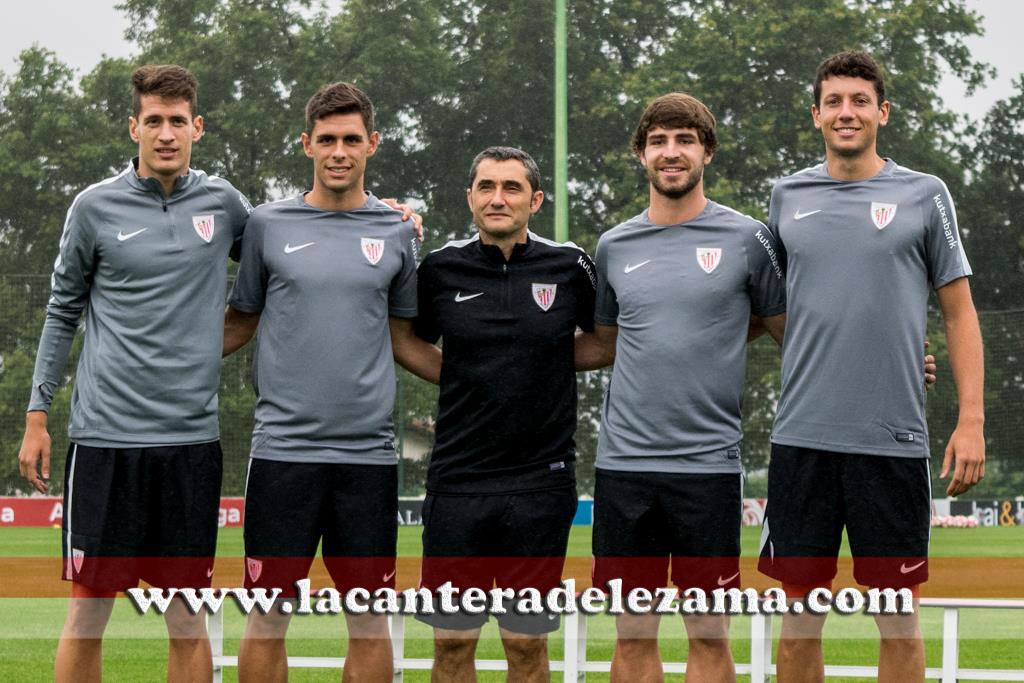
point(676, 191)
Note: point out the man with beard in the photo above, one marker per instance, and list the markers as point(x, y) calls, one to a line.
point(677, 286)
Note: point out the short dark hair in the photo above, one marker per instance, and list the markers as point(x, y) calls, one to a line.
point(339, 98)
point(508, 154)
point(677, 110)
point(854, 64)
point(168, 81)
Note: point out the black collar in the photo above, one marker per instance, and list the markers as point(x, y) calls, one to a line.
point(493, 253)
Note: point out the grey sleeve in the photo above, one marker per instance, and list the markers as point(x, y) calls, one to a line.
point(765, 282)
point(249, 293)
point(402, 292)
point(238, 209)
point(71, 282)
point(606, 308)
point(944, 252)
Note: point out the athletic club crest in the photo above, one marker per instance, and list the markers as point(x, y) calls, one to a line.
point(708, 258)
point(882, 214)
point(77, 558)
point(203, 226)
point(372, 249)
point(254, 567)
point(544, 295)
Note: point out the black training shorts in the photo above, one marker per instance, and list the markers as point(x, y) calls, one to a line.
point(513, 540)
point(291, 506)
point(642, 519)
point(141, 513)
point(883, 502)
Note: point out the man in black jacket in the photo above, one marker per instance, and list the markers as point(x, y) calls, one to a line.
point(501, 491)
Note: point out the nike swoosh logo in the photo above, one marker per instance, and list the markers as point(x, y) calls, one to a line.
point(630, 269)
point(388, 577)
point(904, 569)
point(209, 572)
point(121, 237)
point(459, 298)
point(722, 582)
point(799, 215)
point(288, 249)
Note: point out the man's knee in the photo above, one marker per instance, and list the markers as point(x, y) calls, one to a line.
point(87, 616)
point(899, 627)
point(455, 646)
point(182, 624)
point(710, 649)
point(524, 649)
point(707, 628)
point(270, 626)
point(637, 627)
point(803, 626)
point(636, 648)
point(367, 627)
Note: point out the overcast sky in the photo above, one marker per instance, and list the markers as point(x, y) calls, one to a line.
point(81, 31)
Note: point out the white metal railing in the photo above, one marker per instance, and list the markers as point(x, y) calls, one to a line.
point(575, 664)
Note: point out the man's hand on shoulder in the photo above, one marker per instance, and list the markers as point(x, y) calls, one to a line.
point(407, 213)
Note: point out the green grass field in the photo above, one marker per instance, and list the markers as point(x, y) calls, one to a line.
point(978, 542)
point(135, 647)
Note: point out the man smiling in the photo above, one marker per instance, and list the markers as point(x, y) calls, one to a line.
point(329, 279)
point(501, 488)
point(143, 254)
point(677, 285)
point(863, 241)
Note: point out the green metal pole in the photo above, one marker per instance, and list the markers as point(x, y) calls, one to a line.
point(561, 125)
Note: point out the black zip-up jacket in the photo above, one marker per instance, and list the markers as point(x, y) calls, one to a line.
point(507, 409)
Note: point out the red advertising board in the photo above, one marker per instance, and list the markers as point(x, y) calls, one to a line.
point(48, 511)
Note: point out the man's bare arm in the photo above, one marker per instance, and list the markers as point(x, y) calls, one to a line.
point(755, 327)
point(775, 326)
point(966, 448)
point(239, 328)
point(758, 326)
point(421, 358)
point(596, 349)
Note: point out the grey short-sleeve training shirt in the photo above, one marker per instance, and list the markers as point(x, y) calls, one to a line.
point(148, 270)
point(325, 283)
point(681, 296)
point(861, 257)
